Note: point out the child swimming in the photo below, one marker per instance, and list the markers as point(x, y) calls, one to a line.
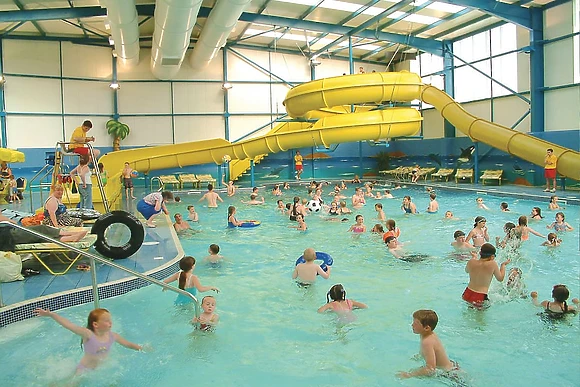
point(214, 256)
point(97, 337)
point(191, 214)
point(560, 224)
point(340, 304)
point(207, 320)
point(188, 281)
point(305, 273)
point(358, 227)
point(553, 240)
point(558, 307)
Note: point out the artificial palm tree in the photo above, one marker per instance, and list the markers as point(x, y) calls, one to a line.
point(119, 131)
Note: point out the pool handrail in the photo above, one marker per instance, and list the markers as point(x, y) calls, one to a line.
point(93, 258)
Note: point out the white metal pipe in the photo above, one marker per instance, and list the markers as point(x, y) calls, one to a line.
point(124, 22)
point(174, 22)
point(217, 28)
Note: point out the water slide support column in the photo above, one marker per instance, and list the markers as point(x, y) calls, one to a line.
point(537, 71)
point(351, 68)
point(449, 84)
point(252, 181)
point(476, 163)
point(226, 113)
point(115, 91)
point(2, 109)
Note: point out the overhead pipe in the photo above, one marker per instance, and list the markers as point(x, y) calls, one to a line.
point(124, 22)
point(174, 22)
point(220, 23)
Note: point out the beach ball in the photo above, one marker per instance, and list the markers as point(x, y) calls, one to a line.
point(134, 173)
point(314, 205)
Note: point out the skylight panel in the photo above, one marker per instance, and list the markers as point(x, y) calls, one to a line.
point(449, 8)
point(421, 19)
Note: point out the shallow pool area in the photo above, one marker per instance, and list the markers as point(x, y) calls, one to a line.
point(269, 330)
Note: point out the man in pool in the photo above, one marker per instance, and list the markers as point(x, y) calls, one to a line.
point(306, 272)
point(481, 272)
point(211, 197)
point(180, 224)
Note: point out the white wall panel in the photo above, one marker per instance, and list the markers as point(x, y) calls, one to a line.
point(508, 110)
point(523, 39)
point(33, 131)
point(480, 109)
point(87, 97)
point(241, 125)
point(198, 97)
point(240, 70)
point(98, 131)
point(562, 111)
point(332, 68)
point(33, 95)
point(211, 72)
point(249, 98)
point(290, 67)
point(31, 57)
point(141, 71)
point(433, 124)
point(145, 97)
point(86, 61)
point(198, 128)
point(279, 92)
point(558, 21)
point(559, 63)
point(148, 131)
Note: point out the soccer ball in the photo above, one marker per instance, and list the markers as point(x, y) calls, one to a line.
point(226, 159)
point(314, 206)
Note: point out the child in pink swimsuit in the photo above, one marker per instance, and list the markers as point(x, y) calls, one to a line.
point(340, 304)
point(97, 337)
point(359, 226)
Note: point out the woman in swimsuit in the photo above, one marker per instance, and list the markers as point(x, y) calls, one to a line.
point(358, 227)
point(479, 233)
point(97, 337)
point(188, 281)
point(208, 319)
point(333, 210)
point(553, 203)
point(55, 211)
point(340, 304)
point(408, 206)
point(558, 307)
point(560, 224)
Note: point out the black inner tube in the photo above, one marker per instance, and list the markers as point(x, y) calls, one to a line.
point(130, 247)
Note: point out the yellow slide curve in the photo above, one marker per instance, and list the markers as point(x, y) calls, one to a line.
point(317, 100)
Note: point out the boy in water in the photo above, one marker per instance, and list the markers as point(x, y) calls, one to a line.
point(306, 272)
point(460, 244)
point(191, 214)
point(481, 272)
point(214, 256)
point(254, 200)
point(433, 205)
point(424, 323)
point(301, 223)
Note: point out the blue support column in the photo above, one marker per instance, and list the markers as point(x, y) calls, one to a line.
point(312, 72)
point(350, 61)
point(2, 107)
point(312, 163)
point(220, 177)
point(360, 159)
point(449, 83)
point(226, 100)
point(537, 70)
point(252, 181)
point(291, 172)
point(476, 163)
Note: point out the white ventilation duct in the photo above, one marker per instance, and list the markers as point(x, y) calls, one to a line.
point(124, 23)
point(174, 22)
point(217, 28)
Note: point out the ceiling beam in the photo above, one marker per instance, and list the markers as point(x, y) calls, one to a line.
point(511, 13)
point(301, 17)
point(34, 23)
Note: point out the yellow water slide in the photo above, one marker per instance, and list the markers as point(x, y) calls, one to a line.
point(332, 129)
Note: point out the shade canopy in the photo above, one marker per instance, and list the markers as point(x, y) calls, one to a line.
point(11, 155)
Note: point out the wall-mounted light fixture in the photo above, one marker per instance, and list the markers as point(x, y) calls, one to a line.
point(107, 24)
point(2, 80)
point(227, 86)
point(111, 41)
point(114, 53)
point(115, 86)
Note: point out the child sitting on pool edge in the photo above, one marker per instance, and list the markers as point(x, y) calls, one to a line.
point(424, 323)
point(207, 320)
point(305, 273)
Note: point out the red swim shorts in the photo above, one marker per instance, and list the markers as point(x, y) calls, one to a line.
point(474, 298)
point(81, 150)
point(299, 167)
point(550, 173)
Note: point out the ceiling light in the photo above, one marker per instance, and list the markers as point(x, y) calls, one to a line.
point(227, 86)
point(115, 86)
point(107, 25)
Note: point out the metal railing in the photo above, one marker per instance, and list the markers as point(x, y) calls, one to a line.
point(93, 258)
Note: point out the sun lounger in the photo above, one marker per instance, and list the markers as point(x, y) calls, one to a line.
point(463, 174)
point(492, 174)
point(443, 173)
point(189, 178)
point(425, 172)
point(169, 179)
point(205, 179)
point(62, 254)
point(392, 172)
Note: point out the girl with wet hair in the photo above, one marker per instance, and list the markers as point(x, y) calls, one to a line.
point(340, 304)
point(558, 307)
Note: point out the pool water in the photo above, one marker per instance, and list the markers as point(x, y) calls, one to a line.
point(269, 331)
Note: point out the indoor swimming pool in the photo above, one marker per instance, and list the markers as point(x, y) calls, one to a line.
point(270, 331)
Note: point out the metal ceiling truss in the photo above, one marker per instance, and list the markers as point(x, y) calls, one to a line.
point(260, 10)
point(301, 17)
point(34, 23)
point(72, 5)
